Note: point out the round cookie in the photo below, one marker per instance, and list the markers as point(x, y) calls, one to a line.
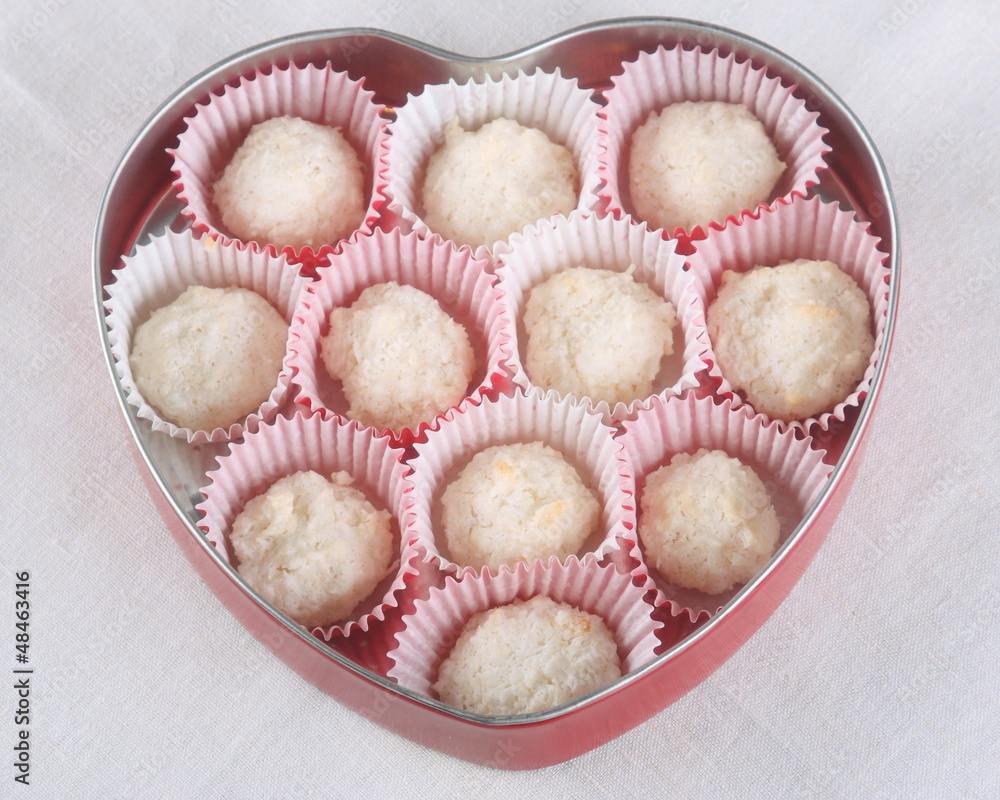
point(695, 162)
point(313, 548)
point(527, 656)
point(516, 502)
point(794, 339)
point(706, 522)
point(292, 182)
point(482, 186)
point(210, 357)
point(402, 360)
point(596, 333)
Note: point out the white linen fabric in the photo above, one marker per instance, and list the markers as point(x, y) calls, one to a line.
point(876, 678)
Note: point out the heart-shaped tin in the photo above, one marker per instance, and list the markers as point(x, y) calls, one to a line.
point(357, 669)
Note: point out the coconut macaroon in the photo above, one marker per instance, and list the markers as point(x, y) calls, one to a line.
point(706, 521)
point(516, 502)
point(482, 186)
point(313, 547)
point(292, 182)
point(795, 339)
point(210, 357)
point(527, 656)
point(695, 162)
point(402, 360)
point(597, 333)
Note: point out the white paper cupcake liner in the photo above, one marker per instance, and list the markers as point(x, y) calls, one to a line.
point(219, 126)
point(549, 102)
point(666, 76)
point(792, 469)
point(573, 431)
point(802, 228)
point(451, 276)
point(299, 443)
point(158, 273)
point(611, 244)
point(432, 628)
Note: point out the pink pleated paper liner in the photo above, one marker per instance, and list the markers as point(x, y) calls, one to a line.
point(547, 101)
point(220, 124)
point(613, 244)
point(431, 630)
point(301, 442)
point(159, 272)
point(570, 429)
point(802, 228)
point(452, 276)
point(792, 469)
point(666, 76)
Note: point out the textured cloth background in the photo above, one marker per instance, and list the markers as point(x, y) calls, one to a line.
point(876, 678)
